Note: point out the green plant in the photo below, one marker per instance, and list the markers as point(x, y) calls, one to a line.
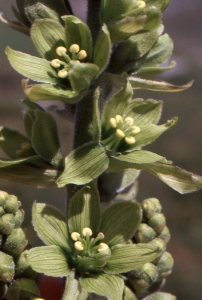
point(104, 245)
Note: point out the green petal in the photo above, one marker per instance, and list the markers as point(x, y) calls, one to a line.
point(32, 171)
point(84, 210)
point(11, 141)
point(38, 92)
point(178, 179)
point(50, 225)
point(81, 75)
point(160, 296)
point(128, 294)
point(50, 260)
point(47, 35)
point(77, 32)
point(23, 289)
point(73, 290)
point(129, 257)
point(102, 49)
point(120, 221)
point(152, 71)
point(83, 164)
point(159, 86)
point(32, 67)
point(45, 139)
point(110, 286)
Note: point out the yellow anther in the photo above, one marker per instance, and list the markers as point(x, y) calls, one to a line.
point(87, 231)
point(26, 146)
point(19, 152)
point(120, 133)
point(119, 119)
point(62, 73)
point(75, 235)
point(55, 63)
point(130, 140)
point(74, 48)
point(60, 50)
point(82, 54)
point(141, 4)
point(136, 129)
point(103, 247)
point(129, 121)
point(112, 122)
point(78, 246)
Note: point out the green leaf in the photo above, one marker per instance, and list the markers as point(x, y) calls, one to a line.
point(50, 225)
point(77, 32)
point(32, 171)
point(110, 286)
point(84, 210)
point(45, 139)
point(178, 179)
point(32, 67)
point(159, 86)
point(73, 290)
point(11, 141)
point(50, 260)
point(160, 296)
point(38, 92)
point(96, 116)
point(120, 221)
point(128, 257)
point(47, 35)
point(128, 294)
point(81, 75)
point(83, 164)
point(22, 289)
point(102, 49)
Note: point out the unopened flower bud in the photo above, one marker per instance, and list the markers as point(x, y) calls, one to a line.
point(165, 265)
point(150, 207)
point(61, 50)
point(12, 204)
point(144, 233)
point(87, 231)
point(19, 217)
point(7, 223)
point(3, 197)
point(157, 222)
point(165, 235)
point(7, 267)
point(161, 245)
point(2, 211)
point(15, 242)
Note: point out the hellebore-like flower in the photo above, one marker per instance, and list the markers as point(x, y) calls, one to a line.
point(69, 63)
point(93, 245)
point(36, 158)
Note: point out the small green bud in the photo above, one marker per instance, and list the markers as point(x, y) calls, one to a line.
point(161, 245)
point(157, 222)
point(7, 223)
point(150, 207)
point(22, 267)
point(165, 265)
point(3, 197)
point(19, 217)
point(15, 242)
point(7, 267)
point(2, 211)
point(165, 235)
point(144, 233)
point(12, 204)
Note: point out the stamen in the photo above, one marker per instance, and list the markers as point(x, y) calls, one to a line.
point(102, 247)
point(55, 63)
point(135, 130)
point(87, 231)
point(75, 235)
point(78, 246)
point(60, 50)
point(26, 146)
point(112, 122)
point(62, 73)
point(74, 48)
point(82, 54)
point(119, 119)
point(141, 4)
point(120, 134)
point(130, 140)
point(129, 121)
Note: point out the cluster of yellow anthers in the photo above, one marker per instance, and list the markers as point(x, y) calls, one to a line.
point(86, 244)
point(23, 148)
point(141, 4)
point(124, 128)
point(76, 55)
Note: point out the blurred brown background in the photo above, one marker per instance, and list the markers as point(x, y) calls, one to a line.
point(182, 145)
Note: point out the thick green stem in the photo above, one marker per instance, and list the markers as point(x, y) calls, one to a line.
point(93, 18)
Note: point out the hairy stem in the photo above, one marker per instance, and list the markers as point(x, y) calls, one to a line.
point(93, 19)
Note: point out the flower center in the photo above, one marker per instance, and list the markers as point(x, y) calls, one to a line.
point(63, 66)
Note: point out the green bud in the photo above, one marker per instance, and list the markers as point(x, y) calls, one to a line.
point(19, 217)
point(165, 265)
point(144, 233)
point(161, 245)
point(7, 223)
point(150, 207)
point(157, 222)
point(143, 277)
point(15, 242)
point(7, 267)
point(12, 204)
point(22, 267)
point(165, 235)
point(2, 211)
point(3, 197)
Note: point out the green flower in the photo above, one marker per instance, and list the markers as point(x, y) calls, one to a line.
point(93, 244)
point(69, 63)
point(35, 158)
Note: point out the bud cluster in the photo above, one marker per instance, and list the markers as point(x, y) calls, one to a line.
point(153, 231)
